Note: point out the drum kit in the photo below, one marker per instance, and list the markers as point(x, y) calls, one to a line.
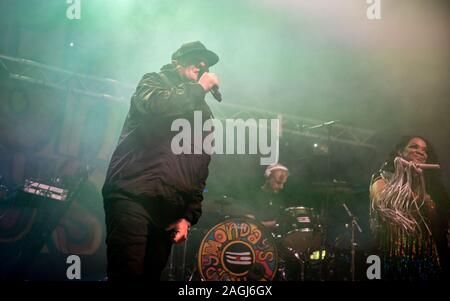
point(229, 244)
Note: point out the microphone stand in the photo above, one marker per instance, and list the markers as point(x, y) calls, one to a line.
point(355, 226)
point(328, 125)
point(325, 207)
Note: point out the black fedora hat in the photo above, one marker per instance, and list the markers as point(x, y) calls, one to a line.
point(196, 48)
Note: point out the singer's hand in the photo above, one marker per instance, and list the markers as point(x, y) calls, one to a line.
point(208, 81)
point(180, 230)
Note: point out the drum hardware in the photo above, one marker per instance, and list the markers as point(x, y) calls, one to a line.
point(194, 270)
point(175, 269)
point(301, 262)
point(300, 230)
point(183, 263)
point(300, 236)
point(186, 274)
point(171, 271)
point(354, 226)
point(282, 270)
point(318, 255)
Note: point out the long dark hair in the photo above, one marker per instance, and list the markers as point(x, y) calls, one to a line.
point(433, 181)
point(400, 146)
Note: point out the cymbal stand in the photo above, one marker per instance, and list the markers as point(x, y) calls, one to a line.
point(171, 268)
point(183, 263)
point(301, 261)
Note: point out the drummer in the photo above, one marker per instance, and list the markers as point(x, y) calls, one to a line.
point(268, 202)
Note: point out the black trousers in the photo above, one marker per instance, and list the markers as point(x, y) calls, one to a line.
point(137, 248)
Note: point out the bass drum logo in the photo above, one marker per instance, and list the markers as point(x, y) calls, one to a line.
point(237, 249)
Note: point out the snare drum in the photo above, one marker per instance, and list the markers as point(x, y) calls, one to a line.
point(300, 230)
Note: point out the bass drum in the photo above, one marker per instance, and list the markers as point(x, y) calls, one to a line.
point(237, 249)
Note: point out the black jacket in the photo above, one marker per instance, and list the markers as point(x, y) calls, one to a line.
point(143, 166)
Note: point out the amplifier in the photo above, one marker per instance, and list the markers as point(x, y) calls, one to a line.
point(38, 194)
point(45, 190)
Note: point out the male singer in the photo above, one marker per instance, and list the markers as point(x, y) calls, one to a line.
point(152, 196)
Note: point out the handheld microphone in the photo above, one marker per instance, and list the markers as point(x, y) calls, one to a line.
point(216, 93)
point(214, 90)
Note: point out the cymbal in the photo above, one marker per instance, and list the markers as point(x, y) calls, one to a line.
point(224, 205)
point(335, 186)
point(223, 202)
